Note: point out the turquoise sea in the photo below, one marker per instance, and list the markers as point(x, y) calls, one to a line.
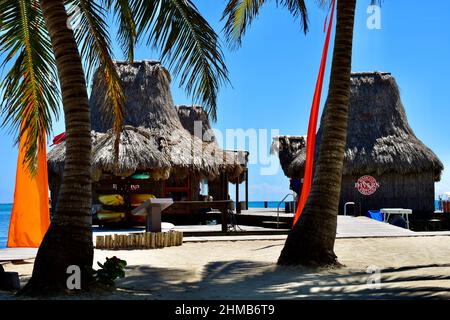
point(5, 211)
point(260, 204)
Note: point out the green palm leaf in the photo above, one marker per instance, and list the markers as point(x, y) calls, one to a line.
point(30, 86)
point(188, 45)
point(95, 46)
point(126, 34)
point(239, 15)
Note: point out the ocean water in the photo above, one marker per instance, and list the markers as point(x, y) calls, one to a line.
point(260, 204)
point(436, 204)
point(5, 212)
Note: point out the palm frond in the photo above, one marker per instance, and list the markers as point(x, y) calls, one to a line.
point(30, 86)
point(126, 34)
point(298, 10)
point(239, 15)
point(188, 45)
point(92, 36)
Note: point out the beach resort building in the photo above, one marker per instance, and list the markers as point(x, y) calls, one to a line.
point(386, 165)
point(164, 151)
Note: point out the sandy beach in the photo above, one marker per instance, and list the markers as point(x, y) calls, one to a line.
point(411, 267)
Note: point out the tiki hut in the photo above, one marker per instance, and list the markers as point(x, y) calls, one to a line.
point(161, 154)
point(386, 165)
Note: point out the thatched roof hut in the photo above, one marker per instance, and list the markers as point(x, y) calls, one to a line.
point(158, 137)
point(195, 120)
point(138, 151)
point(157, 134)
point(380, 143)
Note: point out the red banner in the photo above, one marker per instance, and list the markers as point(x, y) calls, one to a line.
point(312, 128)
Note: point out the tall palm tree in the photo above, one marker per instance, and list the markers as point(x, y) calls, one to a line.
point(311, 242)
point(41, 51)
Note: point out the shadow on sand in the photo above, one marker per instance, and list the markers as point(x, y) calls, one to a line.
point(253, 280)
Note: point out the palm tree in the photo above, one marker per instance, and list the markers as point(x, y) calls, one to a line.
point(311, 242)
point(41, 51)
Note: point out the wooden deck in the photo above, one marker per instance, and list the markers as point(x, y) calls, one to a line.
point(362, 227)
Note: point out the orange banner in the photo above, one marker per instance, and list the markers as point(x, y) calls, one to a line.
point(30, 216)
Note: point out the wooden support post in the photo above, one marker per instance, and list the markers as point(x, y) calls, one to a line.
point(224, 219)
point(246, 189)
point(153, 219)
point(225, 186)
point(238, 205)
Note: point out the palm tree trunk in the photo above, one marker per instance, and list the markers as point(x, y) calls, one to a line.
point(311, 242)
point(69, 238)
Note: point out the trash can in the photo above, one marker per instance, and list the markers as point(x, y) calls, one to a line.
point(376, 215)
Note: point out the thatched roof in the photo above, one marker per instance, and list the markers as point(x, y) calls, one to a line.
point(290, 149)
point(138, 151)
point(379, 139)
point(149, 102)
point(189, 115)
point(157, 135)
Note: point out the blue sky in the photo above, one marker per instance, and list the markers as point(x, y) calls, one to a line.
point(274, 73)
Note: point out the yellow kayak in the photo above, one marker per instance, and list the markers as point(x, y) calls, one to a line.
point(110, 216)
point(111, 200)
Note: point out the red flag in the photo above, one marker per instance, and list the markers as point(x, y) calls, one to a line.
point(312, 128)
point(59, 138)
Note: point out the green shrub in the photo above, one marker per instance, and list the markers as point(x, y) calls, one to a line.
point(111, 269)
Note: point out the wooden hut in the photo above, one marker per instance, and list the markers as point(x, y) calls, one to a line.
point(160, 152)
point(386, 165)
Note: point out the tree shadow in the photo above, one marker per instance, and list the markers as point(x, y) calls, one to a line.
point(254, 280)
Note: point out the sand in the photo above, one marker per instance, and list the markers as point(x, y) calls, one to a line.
point(382, 268)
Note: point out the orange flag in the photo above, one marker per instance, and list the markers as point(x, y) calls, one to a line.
point(30, 216)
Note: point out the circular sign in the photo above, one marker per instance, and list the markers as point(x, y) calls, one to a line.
point(367, 185)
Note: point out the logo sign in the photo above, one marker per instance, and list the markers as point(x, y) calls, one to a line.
point(367, 185)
